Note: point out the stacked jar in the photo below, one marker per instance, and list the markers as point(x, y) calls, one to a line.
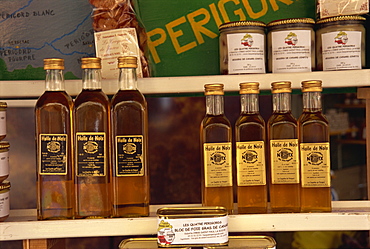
point(4, 165)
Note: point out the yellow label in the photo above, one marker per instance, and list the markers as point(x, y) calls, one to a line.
point(250, 163)
point(284, 161)
point(217, 164)
point(315, 165)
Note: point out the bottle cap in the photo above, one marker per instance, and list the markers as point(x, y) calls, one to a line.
point(281, 87)
point(214, 89)
point(311, 86)
point(91, 62)
point(249, 87)
point(127, 61)
point(54, 63)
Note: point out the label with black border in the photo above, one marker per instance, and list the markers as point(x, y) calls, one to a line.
point(53, 154)
point(129, 155)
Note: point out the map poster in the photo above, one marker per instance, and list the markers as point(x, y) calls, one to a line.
point(31, 30)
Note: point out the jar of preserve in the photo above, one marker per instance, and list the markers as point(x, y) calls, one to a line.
point(291, 45)
point(3, 107)
point(340, 43)
point(242, 47)
point(4, 160)
point(4, 200)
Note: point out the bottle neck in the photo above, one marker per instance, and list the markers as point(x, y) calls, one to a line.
point(249, 103)
point(281, 102)
point(54, 80)
point(91, 78)
point(127, 79)
point(215, 104)
point(312, 101)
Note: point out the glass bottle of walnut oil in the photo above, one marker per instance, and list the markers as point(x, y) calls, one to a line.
point(129, 114)
point(54, 141)
point(282, 132)
point(92, 154)
point(216, 139)
point(314, 149)
point(250, 152)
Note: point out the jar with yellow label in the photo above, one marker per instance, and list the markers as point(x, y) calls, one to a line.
point(291, 45)
point(340, 43)
point(242, 47)
point(4, 200)
point(3, 107)
point(4, 160)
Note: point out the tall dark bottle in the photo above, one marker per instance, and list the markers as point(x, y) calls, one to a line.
point(250, 137)
point(92, 152)
point(282, 132)
point(315, 151)
point(54, 140)
point(129, 114)
point(216, 139)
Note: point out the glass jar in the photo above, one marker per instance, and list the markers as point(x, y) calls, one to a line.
point(4, 160)
point(4, 200)
point(291, 45)
point(242, 47)
point(340, 43)
point(3, 107)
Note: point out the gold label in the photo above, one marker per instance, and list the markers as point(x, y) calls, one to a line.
point(217, 164)
point(284, 161)
point(315, 163)
point(53, 154)
point(129, 155)
point(250, 163)
point(90, 156)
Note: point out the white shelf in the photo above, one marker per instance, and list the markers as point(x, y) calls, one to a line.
point(346, 215)
point(195, 84)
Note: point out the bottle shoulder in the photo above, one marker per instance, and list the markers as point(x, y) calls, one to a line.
point(254, 118)
point(92, 96)
point(54, 98)
point(277, 118)
point(215, 119)
point(312, 117)
point(129, 96)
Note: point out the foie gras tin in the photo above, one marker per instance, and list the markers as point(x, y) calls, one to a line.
point(143, 243)
point(250, 242)
point(192, 226)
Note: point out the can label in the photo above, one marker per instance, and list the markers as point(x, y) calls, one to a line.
point(4, 204)
point(2, 122)
point(246, 53)
point(129, 155)
point(195, 231)
point(315, 163)
point(291, 51)
point(341, 50)
point(53, 154)
point(4, 163)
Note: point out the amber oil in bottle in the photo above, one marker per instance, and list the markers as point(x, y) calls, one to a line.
point(54, 141)
point(250, 137)
point(130, 137)
point(92, 125)
point(216, 139)
point(282, 132)
point(314, 149)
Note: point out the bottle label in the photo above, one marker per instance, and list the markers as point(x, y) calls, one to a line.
point(291, 51)
point(315, 163)
point(2, 122)
point(284, 161)
point(250, 163)
point(4, 163)
point(129, 155)
point(246, 53)
point(217, 164)
point(91, 158)
point(53, 154)
point(341, 50)
point(4, 204)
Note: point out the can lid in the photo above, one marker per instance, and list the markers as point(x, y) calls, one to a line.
point(54, 63)
point(341, 18)
point(4, 145)
point(127, 61)
point(3, 105)
point(214, 89)
point(312, 86)
point(4, 185)
point(291, 21)
point(241, 24)
point(90, 63)
point(281, 87)
point(249, 87)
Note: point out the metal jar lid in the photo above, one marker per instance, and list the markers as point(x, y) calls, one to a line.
point(54, 63)
point(4, 185)
point(214, 89)
point(312, 86)
point(249, 87)
point(242, 24)
point(281, 87)
point(4, 145)
point(90, 63)
point(340, 19)
point(127, 61)
point(291, 21)
point(3, 105)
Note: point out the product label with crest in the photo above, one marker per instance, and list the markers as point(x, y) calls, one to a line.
point(90, 156)
point(250, 163)
point(129, 155)
point(315, 165)
point(284, 161)
point(217, 164)
point(53, 154)
point(2, 122)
